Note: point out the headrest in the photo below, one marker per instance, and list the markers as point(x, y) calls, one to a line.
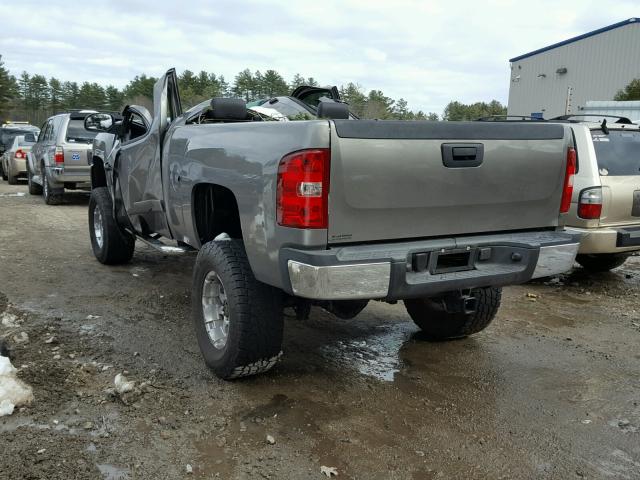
point(333, 110)
point(229, 108)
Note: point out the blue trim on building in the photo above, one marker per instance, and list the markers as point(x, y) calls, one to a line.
point(575, 39)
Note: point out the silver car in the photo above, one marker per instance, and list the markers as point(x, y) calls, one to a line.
point(14, 159)
point(59, 160)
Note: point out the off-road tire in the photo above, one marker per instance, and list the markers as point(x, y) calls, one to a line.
point(51, 197)
point(3, 173)
point(433, 319)
point(254, 340)
point(603, 262)
point(117, 244)
point(34, 188)
point(12, 179)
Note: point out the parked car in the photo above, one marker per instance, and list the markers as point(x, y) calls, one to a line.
point(9, 131)
point(605, 207)
point(59, 159)
point(331, 212)
point(14, 159)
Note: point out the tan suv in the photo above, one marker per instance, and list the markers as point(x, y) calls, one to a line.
point(605, 206)
point(59, 160)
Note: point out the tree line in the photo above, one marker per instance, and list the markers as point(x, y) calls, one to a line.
point(33, 97)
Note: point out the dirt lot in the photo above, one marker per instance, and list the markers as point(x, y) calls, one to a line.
point(550, 390)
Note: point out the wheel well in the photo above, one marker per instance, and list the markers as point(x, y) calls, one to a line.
point(215, 211)
point(98, 176)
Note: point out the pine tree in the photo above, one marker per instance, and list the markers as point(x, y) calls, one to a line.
point(630, 92)
point(243, 85)
point(56, 95)
point(8, 91)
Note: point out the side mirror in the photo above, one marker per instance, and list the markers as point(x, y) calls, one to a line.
point(29, 137)
point(98, 122)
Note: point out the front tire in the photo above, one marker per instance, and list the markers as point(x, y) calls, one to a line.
point(238, 320)
point(431, 315)
point(602, 262)
point(111, 245)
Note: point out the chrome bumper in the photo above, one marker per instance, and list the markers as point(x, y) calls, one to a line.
point(79, 176)
point(391, 271)
point(340, 282)
point(555, 259)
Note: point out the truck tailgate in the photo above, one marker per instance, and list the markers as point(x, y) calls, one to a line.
point(400, 180)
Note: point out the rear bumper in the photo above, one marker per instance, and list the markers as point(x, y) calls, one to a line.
point(17, 166)
point(390, 271)
point(608, 239)
point(79, 176)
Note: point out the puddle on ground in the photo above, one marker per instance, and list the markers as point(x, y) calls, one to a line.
point(376, 356)
point(112, 472)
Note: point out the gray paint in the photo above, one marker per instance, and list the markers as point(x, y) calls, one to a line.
point(380, 188)
point(242, 157)
point(597, 67)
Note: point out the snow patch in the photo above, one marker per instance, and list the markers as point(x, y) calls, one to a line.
point(16, 194)
point(13, 391)
point(122, 384)
point(8, 320)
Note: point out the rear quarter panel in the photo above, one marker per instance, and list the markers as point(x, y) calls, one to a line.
point(244, 158)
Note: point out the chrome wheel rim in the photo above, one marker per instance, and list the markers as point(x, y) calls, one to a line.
point(215, 310)
point(97, 227)
point(45, 186)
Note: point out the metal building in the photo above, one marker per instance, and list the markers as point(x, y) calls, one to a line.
point(562, 77)
point(629, 109)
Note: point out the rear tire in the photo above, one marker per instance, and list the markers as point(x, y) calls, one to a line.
point(431, 315)
point(51, 197)
point(111, 245)
point(12, 179)
point(602, 262)
point(4, 174)
point(34, 188)
point(239, 320)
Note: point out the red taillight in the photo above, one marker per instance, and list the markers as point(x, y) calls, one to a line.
point(590, 203)
point(20, 154)
point(59, 155)
point(567, 190)
point(303, 189)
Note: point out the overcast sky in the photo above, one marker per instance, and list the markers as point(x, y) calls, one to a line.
point(428, 52)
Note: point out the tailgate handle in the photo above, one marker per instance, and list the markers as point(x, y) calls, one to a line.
point(460, 155)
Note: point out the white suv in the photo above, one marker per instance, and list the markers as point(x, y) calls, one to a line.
point(605, 206)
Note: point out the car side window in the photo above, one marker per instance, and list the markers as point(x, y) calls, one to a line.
point(43, 131)
point(50, 129)
point(56, 124)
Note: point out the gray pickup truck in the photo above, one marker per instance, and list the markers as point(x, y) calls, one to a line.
point(331, 211)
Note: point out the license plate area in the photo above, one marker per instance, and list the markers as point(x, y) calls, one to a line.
point(445, 261)
point(452, 261)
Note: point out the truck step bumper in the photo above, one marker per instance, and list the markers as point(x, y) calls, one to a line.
point(555, 259)
point(340, 282)
point(424, 268)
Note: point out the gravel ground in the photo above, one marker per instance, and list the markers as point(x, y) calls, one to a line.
point(550, 390)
